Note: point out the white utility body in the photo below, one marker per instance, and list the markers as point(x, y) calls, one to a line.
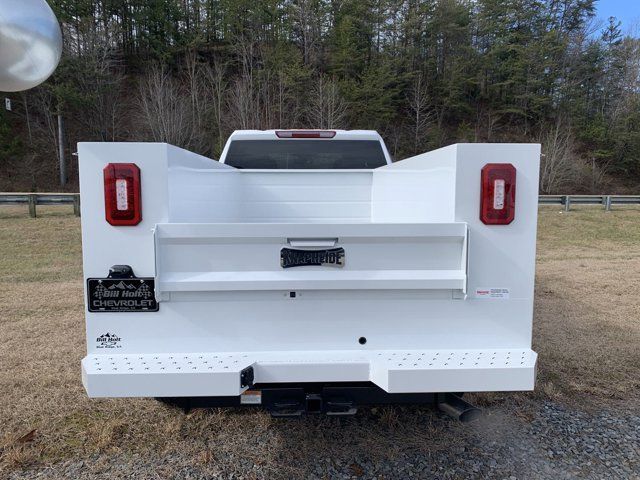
point(409, 277)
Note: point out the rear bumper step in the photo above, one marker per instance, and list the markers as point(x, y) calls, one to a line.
point(230, 374)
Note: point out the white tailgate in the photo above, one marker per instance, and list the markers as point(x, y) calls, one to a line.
point(235, 257)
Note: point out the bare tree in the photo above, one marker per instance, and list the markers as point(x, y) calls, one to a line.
point(287, 110)
point(487, 123)
point(203, 100)
point(165, 109)
point(421, 113)
point(241, 103)
point(281, 95)
point(267, 100)
point(327, 108)
point(217, 86)
point(42, 162)
point(194, 77)
point(244, 95)
point(558, 166)
point(101, 81)
point(595, 174)
point(309, 22)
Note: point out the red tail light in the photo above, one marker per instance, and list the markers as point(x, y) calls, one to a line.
point(122, 194)
point(498, 196)
point(305, 134)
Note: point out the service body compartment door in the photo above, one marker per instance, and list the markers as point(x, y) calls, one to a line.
point(356, 256)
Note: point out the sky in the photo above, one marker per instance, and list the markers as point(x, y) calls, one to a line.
point(627, 11)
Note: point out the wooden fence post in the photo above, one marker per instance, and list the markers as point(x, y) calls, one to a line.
point(76, 205)
point(32, 206)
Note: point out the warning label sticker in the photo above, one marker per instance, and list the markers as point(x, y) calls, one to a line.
point(492, 293)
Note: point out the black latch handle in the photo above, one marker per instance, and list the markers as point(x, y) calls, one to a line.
point(121, 271)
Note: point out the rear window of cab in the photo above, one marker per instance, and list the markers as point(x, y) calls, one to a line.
point(305, 154)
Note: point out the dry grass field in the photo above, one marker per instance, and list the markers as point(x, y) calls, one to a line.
point(587, 332)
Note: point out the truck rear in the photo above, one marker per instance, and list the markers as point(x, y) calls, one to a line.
point(305, 272)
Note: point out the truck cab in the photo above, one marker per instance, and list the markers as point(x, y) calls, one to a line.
point(305, 149)
point(305, 272)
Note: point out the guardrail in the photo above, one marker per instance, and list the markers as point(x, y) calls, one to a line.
point(35, 199)
point(607, 201)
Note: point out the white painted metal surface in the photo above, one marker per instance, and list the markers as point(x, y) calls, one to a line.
point(208, 374)
point(418, 265)
point(215, 257)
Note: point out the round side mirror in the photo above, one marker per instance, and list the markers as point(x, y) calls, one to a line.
point(30, 44)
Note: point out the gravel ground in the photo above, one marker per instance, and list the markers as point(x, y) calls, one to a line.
point(546, 440)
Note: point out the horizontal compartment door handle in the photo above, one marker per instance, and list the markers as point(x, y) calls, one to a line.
point(312, 242)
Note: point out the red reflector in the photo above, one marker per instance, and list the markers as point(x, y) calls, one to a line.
point(305, 134)
point(498, 194)
point(122, 194)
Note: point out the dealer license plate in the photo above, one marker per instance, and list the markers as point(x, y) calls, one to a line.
point(121, 295)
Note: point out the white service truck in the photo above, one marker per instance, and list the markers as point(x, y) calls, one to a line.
point(306, 272)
